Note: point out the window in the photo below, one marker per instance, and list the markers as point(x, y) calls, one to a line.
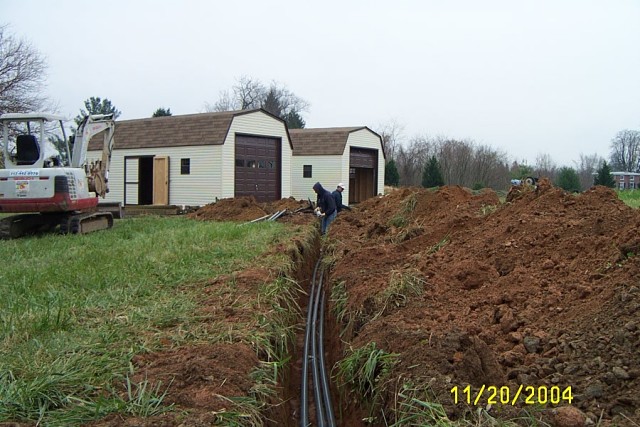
point(185, 166)
point(239, 163)
point(631, 178)
point(306, 171)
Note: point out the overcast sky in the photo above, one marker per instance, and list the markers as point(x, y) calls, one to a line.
point(526, 77)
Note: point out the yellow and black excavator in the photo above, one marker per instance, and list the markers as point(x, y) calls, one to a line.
point(48, 190)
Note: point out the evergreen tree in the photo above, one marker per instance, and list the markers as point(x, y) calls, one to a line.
point(604, 176)
point(568, 179)
point(294, 120)
point(432, 176)
point(95, 105)
point(161, 112)
point(272, 104)
point(391, 175)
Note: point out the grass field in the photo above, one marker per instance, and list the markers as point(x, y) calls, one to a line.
point(76, 309)
point(630, 197)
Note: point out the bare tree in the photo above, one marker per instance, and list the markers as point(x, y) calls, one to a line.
point(22, 76)
point(392, 136)
point(410, 160)
point(461, 162)
point(246, 94)
point(587, 168)
point(625, 151)
point(545, 166)
point(224, 103)
point(455, 161)
point(249, 93)
point(467, 164)
point(288, 101)
point(489, 168)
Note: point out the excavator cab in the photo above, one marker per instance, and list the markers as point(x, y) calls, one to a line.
point(49, 189)
point(26, 140)
point(27, 149)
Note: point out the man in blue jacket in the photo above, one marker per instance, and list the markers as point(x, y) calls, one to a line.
point(337, 196)
point(326, 207)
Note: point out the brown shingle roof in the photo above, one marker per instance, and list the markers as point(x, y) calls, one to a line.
point(321, 141)
point(172, 131)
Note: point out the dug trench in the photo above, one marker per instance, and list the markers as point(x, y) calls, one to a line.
point(241, 364)
point(347, 412)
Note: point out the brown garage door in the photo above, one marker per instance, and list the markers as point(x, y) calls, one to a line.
point(363, 174)
point(258, 167)
point(363, 158)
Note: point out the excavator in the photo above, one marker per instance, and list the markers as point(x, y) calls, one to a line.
point(50, 191)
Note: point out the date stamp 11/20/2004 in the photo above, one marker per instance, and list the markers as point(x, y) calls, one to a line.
point(527, 395)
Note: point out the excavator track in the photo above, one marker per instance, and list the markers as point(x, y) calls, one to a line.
point(86, 223)
point(17, 226)
point(5, 229)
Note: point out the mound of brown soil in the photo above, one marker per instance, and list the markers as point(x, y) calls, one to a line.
point(234, 209)
point(542, 291)
point(242, 209)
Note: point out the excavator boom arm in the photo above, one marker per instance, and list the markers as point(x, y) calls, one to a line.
point(90, 126)
point(97, 171)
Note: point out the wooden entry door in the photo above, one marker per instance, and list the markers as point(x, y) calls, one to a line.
point(161, 180)
point(361, 184)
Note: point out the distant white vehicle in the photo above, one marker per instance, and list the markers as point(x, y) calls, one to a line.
point(530, 180)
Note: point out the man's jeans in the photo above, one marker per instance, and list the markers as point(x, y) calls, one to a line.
point(326, 220)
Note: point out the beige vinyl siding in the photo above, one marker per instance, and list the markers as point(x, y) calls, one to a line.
point(364, 138)
point(257, 124)
point(200, 187)
point(325, 169)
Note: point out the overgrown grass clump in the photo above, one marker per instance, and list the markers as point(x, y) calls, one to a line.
point(365, 368)
point(75, 309)
point(407, 206)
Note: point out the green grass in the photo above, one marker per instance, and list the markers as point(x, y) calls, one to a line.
point(365, 368)
point(413, 405)
point(630, 197)
point(75, 309)
point(407, 206)
point(403, 285)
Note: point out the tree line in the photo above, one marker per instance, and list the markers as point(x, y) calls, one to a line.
point(433, 161)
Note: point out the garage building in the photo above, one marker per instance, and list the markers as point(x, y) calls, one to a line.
point(194, 159)
point(351, 155)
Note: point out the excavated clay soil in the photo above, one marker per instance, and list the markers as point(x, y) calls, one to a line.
point(244, 209)
point(541, 291)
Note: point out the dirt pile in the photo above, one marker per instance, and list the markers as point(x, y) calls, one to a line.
point(243, 209)
point(542, 291)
